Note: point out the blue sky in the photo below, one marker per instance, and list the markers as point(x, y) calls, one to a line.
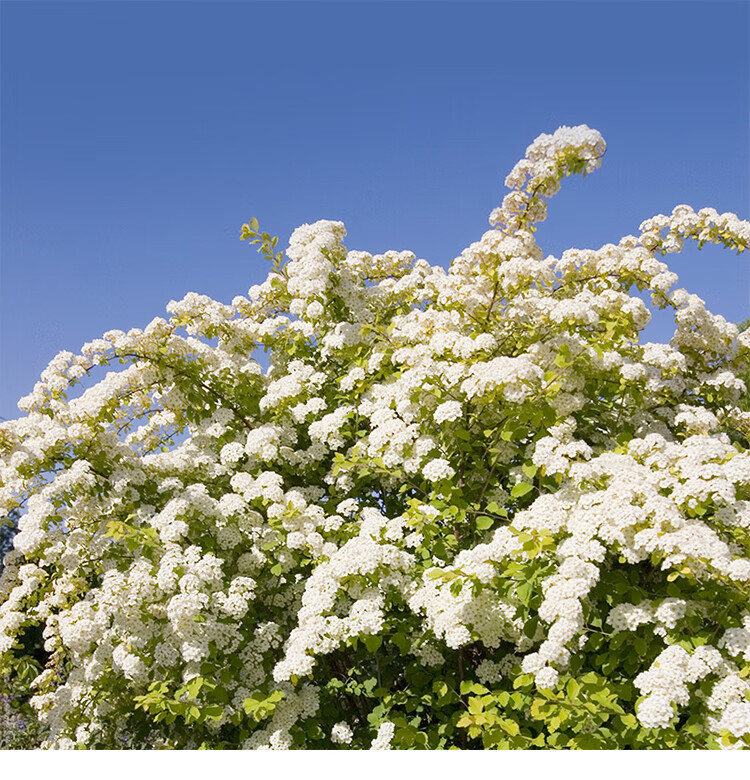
point(138, 136)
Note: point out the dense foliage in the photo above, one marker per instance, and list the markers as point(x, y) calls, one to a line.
point(8, 529)
point(463, 508)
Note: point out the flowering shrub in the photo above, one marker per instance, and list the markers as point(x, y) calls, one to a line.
point(463, 508)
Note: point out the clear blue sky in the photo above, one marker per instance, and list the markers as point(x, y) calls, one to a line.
point(138, 136)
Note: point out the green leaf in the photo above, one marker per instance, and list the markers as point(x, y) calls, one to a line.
point(523, 681)
point(483, 523)
point(520, 489)
point(402, 642)
point(525, 592)
point(573, 688)
point(475, 705)
point(373, 642)
point(510, 727)
point(177, 707)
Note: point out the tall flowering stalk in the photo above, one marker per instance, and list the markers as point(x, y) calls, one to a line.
point(460, 508)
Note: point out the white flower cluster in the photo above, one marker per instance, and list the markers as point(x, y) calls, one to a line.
point(665, 614)
point(374, 566)
point(383, 739)
point(547, 161)
point(341, 733)
point(666, 683)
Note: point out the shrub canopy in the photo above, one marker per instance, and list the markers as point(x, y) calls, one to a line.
point(462, 508)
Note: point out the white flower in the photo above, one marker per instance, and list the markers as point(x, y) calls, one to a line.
point(383, 739)
point(231, 453)
point(341, 733)
point(546, 677)
point(447, 412)
point(437, 469)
